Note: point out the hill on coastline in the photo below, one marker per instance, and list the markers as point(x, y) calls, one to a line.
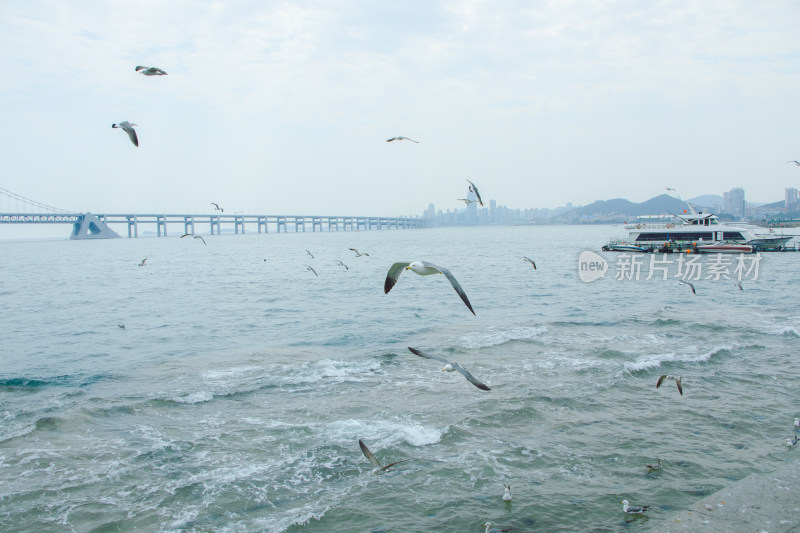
point(622, 208)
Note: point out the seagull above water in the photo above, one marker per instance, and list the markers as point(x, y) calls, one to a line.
point(358, 254)
point(121, 326)
point(309, 253)
point(312, 270)
point(530, 261)
point(669, 188)
point(150, 71)
point(217, 207)
point(423, 268)
point(195, 236)
point(676, 379)
point(656, 466)
point(507, 493)
point(689, 284)
point(796, 163)
point(632, 510)
point(375, 462)
point(127, 127)
point(401, 139)
point(450, 366)
point(490, 529)
point(474, 189)
point(143, 262)
point(345, 266)
point(791, 443)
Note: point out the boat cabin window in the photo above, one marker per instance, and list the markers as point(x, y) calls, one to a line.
point(732, 236)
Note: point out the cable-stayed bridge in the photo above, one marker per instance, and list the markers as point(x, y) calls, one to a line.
point(96, 226)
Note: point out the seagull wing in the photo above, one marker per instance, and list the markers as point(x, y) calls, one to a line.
point(385, 468)
point(158, 71)
point(412, 140)
point(429, 356)
point(453, 282)
point(391, 277)
point(678, 383)
point(475, 190)
point(140, 67)
point(127, 128)
point(661, 380)
point(529, 260)
point(185, 235)
point(312, 270)
point(201, 238)
point(470, 377)
point(369, 456)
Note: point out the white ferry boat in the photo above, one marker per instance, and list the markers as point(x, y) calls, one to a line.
point(695, 232)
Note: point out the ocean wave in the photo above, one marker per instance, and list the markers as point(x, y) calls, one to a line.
point(382, 433)
point(693, 355)
point(495, 336)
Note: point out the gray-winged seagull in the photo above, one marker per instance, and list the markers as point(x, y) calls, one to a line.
point(127, 127)
point(474, 189)
point(450, 366)
point(150, 71)
point(676, 379)
point(401, 139)
point(627, 508)
point(375, 462)
point(423, 268)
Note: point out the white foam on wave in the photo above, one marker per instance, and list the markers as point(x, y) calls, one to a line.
point(382, 433)
point(692, 354)
point(195, 397)
point(496, 335)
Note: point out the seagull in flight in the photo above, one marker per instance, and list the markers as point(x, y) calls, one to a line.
point(529, 260)
point(627, 508)
point(312, 270)
point(739, 284)
point(143, 262)
point(309, 253)
point(343, 265)
point(217, 207)
point(195, 236)
point(467, 201)
point(358, 254)
point(127, 127)
point(423, 268)
point(474, 189)
point(669, 188)
point(371, 458)
point(676, 379)
point(791, 443)
point(796, 163)
point(450, 366)
point(689, 284)
point(401, 139)
point(150, 71)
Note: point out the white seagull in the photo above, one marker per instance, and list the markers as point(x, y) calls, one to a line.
point(401, 139)
point(529, 260)
point(312, 270)
point(467, 201)
point(474, 189)
point(797, 422)
point(632, 510)
point(358, 254)
point(342, 264)
point(490, 529)
point(676, 379)
point(195, 236)
point(127, 127)
point(656, 465)
point(796, 163)
point(217, 207)
point(150, 71)
point(450, 366)
point(375, 462)
point(507, 493)
point(689, 284)
point(791, 443)
point(309, 253)
point(143, 262)
point(423, 268)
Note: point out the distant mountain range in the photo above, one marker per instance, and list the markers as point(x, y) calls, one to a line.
point(620, 206)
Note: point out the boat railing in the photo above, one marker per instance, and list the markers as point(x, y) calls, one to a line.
point(651, 225)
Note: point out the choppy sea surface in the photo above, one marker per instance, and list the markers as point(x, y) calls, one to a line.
point(235, 396)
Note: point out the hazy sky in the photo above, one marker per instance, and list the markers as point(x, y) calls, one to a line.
point(285, 107)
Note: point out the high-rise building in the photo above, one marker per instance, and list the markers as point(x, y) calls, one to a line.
point(733, 202)
point(792, 201)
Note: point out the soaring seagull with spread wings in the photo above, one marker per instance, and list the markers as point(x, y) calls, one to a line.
point(474, 189)
point(378, 466)
point(401, 139)
point(217, 207)
point(529, 260)
point(467, 201)
point(677, 381)
point(127, 127)
point(796, 163)
point(689, 284)
point(312, 270)
point(450, 366)
point(423, 268)
point(150, 71)
point(358, 254)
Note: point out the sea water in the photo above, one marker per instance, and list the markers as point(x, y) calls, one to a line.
point(235, 395)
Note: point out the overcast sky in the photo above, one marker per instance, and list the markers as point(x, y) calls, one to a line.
point(285, 107)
